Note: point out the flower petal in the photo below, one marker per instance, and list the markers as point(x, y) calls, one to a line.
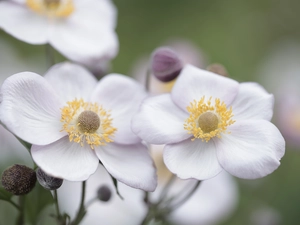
point(122, 96)
point(252, 102)
point(83, 40)
point(129, 164)
point(95, 12)
point(252, 150)
point(130, 210)
point(194, 83)
point(192, 159)
point(22, 23)
point(65, 159)
point(71, 81)
point(30, 108)
point(160, 121)
point(214, 201)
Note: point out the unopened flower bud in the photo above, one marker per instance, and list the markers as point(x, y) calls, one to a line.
point(48, 182)
point(104, 193)
point(165, 64)
point(18, 179)
point(218, 69)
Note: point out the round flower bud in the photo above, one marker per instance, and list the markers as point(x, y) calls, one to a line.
point(218, 69)
point(165, 64)
point(104, 193)
point(18, 179)
point(48, 182)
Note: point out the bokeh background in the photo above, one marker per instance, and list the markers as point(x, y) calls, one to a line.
point(241, 35)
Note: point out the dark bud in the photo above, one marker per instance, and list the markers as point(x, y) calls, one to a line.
point(18, 179)
point(218, 69)
point(104, 193)
point(165, 64)
point(48, 182)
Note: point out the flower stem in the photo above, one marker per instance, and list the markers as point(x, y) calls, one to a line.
point(82, 211)
point(20, 219)
point(57, 205)
point(187, 197)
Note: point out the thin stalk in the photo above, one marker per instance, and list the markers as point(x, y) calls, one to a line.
point(20, 219)
point(187, 197)
point(81, 212)
point(166, 188)
point(56, 205)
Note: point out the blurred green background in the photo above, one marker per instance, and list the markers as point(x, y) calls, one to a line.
point(238, 34)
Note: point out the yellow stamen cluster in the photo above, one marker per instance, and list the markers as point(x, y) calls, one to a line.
point(95, 134)
point(52, 8)
point(213, 118)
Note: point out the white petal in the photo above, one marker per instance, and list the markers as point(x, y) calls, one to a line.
point(131, 210)
point(192, 159)
point(83, 40)
point(96, 12)
point(160, 121)
point(252, 102)
point(129, 164)
point(65, 159)
point(194, 83)
point(252, 150)
point(30, 108)
point(23, 23)
point(122, 96)
point(71, 81)
point(214, 201)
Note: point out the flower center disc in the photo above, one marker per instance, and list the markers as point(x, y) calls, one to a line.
point(208, 119)
point(208, 122)
point(88, 122)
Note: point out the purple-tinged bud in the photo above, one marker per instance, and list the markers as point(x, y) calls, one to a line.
point(165, 64)
point(48, 182)
point(104, 193)
point(218, 69)
point(18, 179)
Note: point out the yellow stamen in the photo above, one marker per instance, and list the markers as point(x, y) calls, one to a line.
point(52, 8)
point(81, 120)
point(208, 120)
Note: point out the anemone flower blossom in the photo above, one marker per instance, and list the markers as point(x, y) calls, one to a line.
point(73, 122)
point(210, 123)
point(83, 31)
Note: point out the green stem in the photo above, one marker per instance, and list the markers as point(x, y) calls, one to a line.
point(166, 188)
point(81, 212)
point(187, 197)
point(57, 205)
point(20, 219)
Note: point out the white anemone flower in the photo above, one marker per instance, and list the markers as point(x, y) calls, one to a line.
point(73, 122)
point(83, 31)
point(210, 123)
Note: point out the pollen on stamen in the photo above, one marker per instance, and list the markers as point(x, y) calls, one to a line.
point(87, 123)
point(208, 120)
